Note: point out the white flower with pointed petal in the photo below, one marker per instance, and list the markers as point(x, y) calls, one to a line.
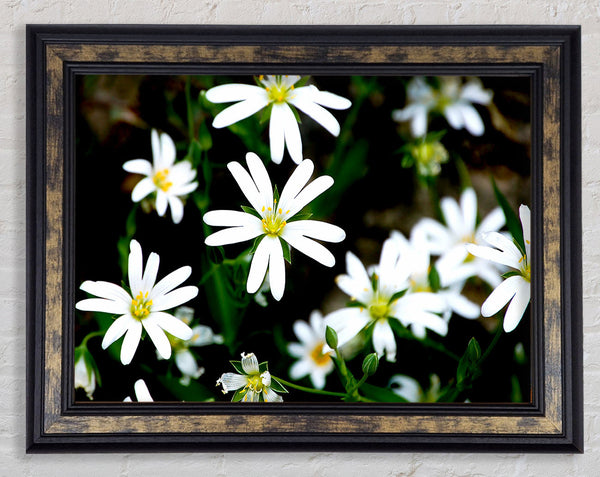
point(415, 253)
point(454, 100)
point(378, 298)
point(144, 308)
point(169, 180)
point(515, 289)
point(279, 93)
point(251, 386)
point(184, 359)
point(142, 394)
point(312, 360)
point(276, 224)
point(455, 265)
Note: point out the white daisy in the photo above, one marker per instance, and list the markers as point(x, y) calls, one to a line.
point(455, 265)
point(278, 92)
point(454, 100)
point(168, 180)
point(142, 394)
point(312, 360)
point(378, 297)
point(276, 224)
point(253, 385)
point(515, 289)
point(416, 255)
point(143, 307)
point(85, 373)
point(184, 358)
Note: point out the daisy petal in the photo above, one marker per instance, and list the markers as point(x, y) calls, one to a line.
point(138, 166)
point(501, 295)
point(167, 154)
point(293, 141)
point(131, 341)
point(158, 337)
point(172, 325)
point(304, 332)
point(246, 184)
point(141, 391)
point(186, 363)
point(418, 126)
point(116, 330)
point(171, 281)
point(472, 120)
point(271, 396)
point(468, 205)
point(306, 104)
point(317, 230)
point(150, 272)
point(258, 266)
point(295, 349)
point(453, 114)
point(174, 298)
point(517, 306)
point(239, 111)
point(296, 182)
point(260, 177)
point(309, 247)
point(161, 202)
point(228, 93)
point(493, 222)
point(300, 369)
point(347, 322)
point(464, 307)
point(103, 306)
point(474, 92)
point(229, 218)
point(250, 363)
point(176, 206)
point(142, 189)
point(276, 134)
point(106, 290)
point(232, 381)
point(276, 268)
point(330, 100)
point(384, 341)
point(232, 235)
point(310, 192)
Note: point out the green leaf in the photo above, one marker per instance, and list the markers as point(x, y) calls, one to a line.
point(331, 337)
point(355, 304)
point(286, 250)
point(251, 211)
point(277, 386)
point(262, 367)
point(374, 281)
point(256, 243)
point(239, 395)
point(190, 393)
point(304, 216)
point(468, 366)
point(379, 394)
point(216, 255)
point(275, 194)
point(434, 279)
point(238, 366)
point(407, 161)
point(395, 296)
point(511, 273)
point(204, 137)
point(266, 114)
point(296, 114)
point(301, 82)
point(512, 220)
point(207, 172)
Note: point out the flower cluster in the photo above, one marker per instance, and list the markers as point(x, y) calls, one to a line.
point(402, 283)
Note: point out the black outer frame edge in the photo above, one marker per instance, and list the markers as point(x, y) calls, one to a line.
point(35, 230)
point(38, 35)
point(571, 239)
point(303, 34)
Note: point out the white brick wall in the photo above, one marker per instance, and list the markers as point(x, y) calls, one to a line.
point(14, 14)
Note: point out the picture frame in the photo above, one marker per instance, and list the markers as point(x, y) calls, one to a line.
point(548, 55)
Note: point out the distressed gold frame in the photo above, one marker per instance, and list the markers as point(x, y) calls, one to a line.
point(550, 56)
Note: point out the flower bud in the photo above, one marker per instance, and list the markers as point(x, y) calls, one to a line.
point(370, 364)
point(331, 337)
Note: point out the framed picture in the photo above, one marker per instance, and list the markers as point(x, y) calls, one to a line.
point(366, 237)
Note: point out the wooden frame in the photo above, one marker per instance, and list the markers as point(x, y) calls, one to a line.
point(549, 56)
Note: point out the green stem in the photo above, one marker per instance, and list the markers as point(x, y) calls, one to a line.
point(93, 334)
point(309, 390)
point(493, 342)
point(190, 112)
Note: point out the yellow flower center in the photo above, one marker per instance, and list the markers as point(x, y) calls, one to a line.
point(140, 306)
point(525, 268)
point(161, 180)
point(255, 383)
point(317, 355)
point(274, 220)
point(420, 286)
point(279, 93)
point(379, 308)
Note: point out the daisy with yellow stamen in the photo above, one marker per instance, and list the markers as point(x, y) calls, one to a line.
point(169, 181)
point(274, 222)
point(142, 308)
point(516, 288)
point(253, 384)
point(312, 359)
point(280, 94)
